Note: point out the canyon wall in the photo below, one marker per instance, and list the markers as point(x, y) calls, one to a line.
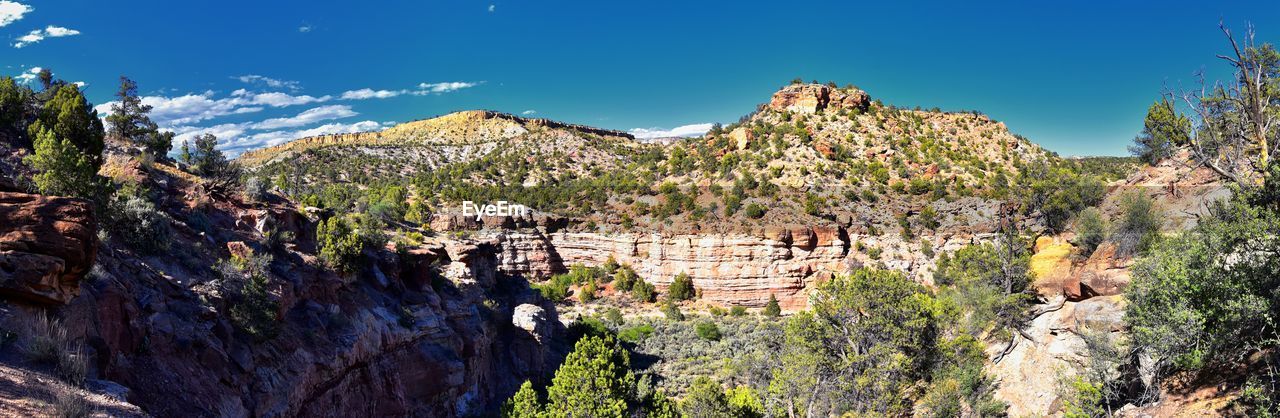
point(433, 331)
point(729, 269)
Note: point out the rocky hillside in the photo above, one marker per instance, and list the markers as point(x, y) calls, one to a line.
point(819, 180)
point(432, 330)
point(813, 154)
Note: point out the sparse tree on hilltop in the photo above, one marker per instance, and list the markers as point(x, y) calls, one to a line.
point(129, 121)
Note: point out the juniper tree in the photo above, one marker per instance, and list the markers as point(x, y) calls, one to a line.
point(129, 121)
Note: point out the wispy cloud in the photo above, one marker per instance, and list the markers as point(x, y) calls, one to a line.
point(308, 117)
point(423, 89)
point(269, 82)
point(12, 12)
point(185, 113)
point(39, 35)
point(367, 93)
point(492, 7)
point(679, 131)
point(238, 143)
point(193, 108)
point(529, 112)
point(447, 87)
point(304, 28)
point(277, 99)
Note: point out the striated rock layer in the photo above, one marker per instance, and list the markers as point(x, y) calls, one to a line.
point(726, 268)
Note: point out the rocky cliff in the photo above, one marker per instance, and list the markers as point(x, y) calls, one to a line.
point(732, 269)
point(435, 331)
point(47, 244)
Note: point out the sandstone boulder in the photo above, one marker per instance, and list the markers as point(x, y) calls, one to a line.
point(532, 319)
point(47, 244)
point(801, 98)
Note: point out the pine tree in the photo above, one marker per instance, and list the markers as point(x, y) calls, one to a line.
point(594, 381)
point(208, 162)
point(184, 154)
point(71, 118)
point(524, 404)
point(706, 399)
point(772, 309)
point(681, 288)
point(13, 104)
point(1162, 131)
point(129, 121)
point(63, 168)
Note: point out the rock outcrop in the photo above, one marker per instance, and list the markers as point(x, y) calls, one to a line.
point(429, 332)
point(811, 98)
point(1028, 376)
point(47, 244)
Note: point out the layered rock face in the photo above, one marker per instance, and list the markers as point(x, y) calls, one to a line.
point(727, 269)
point(47, 244)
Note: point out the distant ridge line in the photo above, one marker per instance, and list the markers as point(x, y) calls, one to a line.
point(373, 137)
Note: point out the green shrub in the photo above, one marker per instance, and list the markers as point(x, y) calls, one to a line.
point(1091, 230)
point(754, 211)
point(672, 312)
point(614, 316)
point(681, 288)
point(139, 224)
point(706, 399)
point(929, 218)
point(738, 311)
point(340, 244)
point(1138, 226)
point(255, 189)
point(636, 334)
point(708, 331)
point(252, 308)
point(643, 291)
point(772, 309)
point(587, 293)
point(624, 278)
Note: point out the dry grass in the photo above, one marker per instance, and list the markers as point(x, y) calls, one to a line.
point(69, 403)
point(45, 341)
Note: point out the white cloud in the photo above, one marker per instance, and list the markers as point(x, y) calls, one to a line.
point(58, 32)
point(277, 99)
point(304, 28)
point(39, 35)
point(679, 131)
point(80, 84)
point(235, 144)
point(367, 93)
point(269, 82)
point(491, 8)
point(529, 112)
point(422, 90)
point(308, 117)
point(193, 108)
point(441, 88)
point(29, 76)
point(12, 12)
point(224, 132)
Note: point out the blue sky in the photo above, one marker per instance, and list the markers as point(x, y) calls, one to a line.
point(1075, 77)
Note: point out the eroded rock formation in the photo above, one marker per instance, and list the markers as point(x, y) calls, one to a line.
point(47, 244)
point(727, 268)
point(810, 98)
